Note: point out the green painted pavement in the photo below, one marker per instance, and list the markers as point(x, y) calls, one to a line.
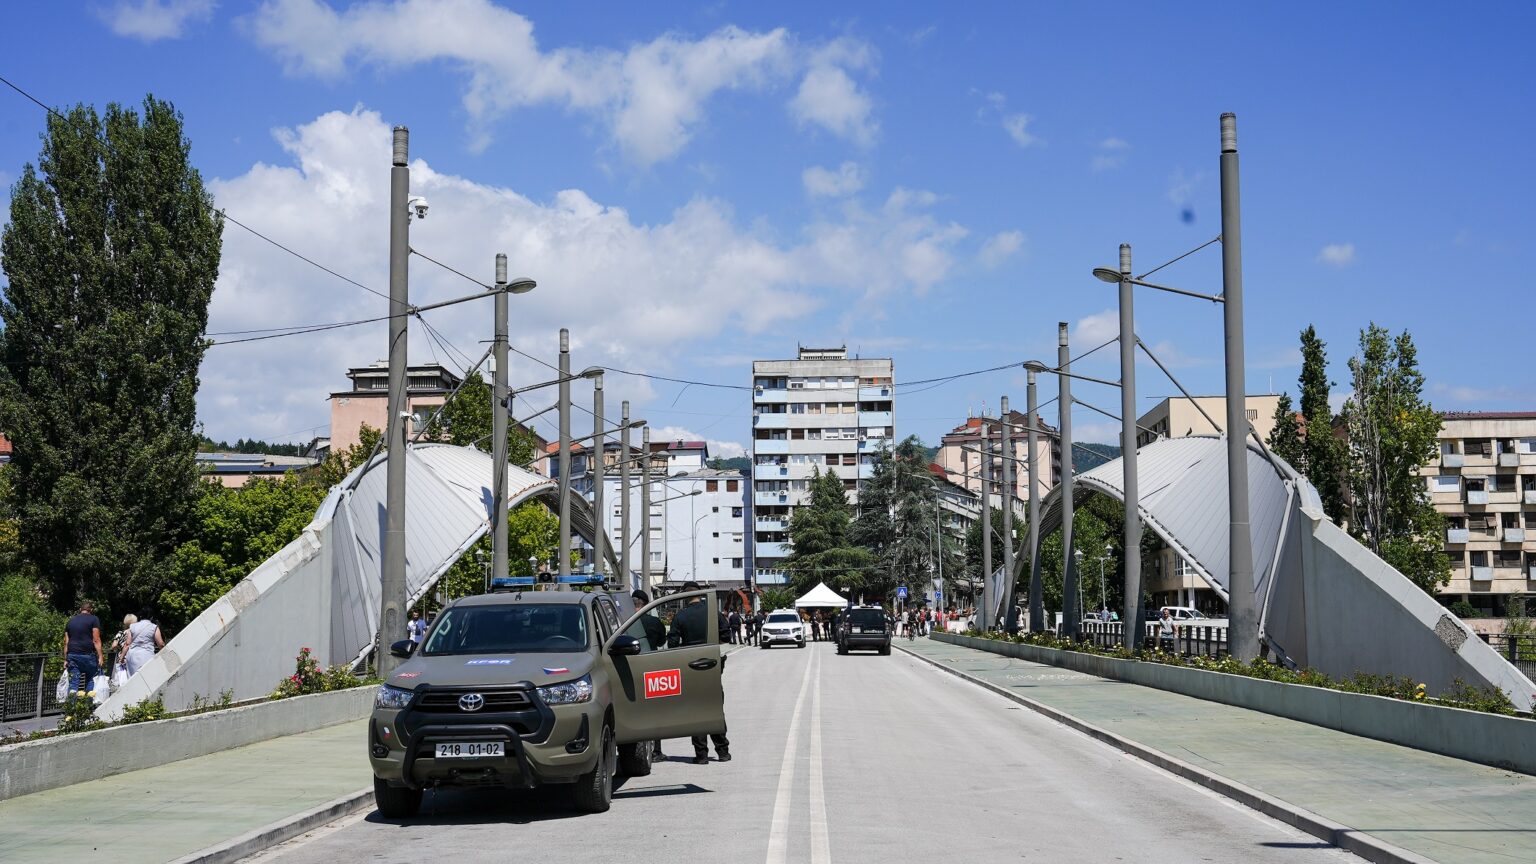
point(165, 812)
point(1442, 808)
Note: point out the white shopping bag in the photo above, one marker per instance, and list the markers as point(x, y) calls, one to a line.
point(101, 688)
point(62, 692)
point(119, 676)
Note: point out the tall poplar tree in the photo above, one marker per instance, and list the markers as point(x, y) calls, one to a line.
point(818, 536)
point(1393, 432)
point(110, 257)
point(1324, 452)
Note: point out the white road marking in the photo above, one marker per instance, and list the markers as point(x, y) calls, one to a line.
point(821, 848)
point(778, 834)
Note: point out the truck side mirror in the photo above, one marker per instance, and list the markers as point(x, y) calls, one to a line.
point(403, 648)
point(625, 646)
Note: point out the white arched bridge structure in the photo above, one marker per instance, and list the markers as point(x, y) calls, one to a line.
point(321, 591)
point(1324, 601)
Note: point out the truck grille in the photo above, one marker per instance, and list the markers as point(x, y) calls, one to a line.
point(447, 702)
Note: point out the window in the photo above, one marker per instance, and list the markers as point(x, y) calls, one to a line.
point(1507, 558)
point(736, 512)
point(797, 408)
point(735, 563)
point(731, 486)
point(716, 534)
point(1445, 483)
point(717, 560)
point(1251, 414)
point(711, 485)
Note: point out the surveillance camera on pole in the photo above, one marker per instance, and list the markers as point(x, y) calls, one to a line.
point(417, 206)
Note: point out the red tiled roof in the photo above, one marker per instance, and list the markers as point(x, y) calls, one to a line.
point(5, 446)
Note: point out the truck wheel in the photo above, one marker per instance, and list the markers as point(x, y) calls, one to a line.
point(842, 649)
point(395, 802)
point(593, 792)
point(635, 759)
point(885, 650)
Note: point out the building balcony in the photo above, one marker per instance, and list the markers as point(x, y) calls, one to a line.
point(770, 498)
point(771, 550)
point(761, 395)
point(771, 577)
point(1514, 535)
point(1455, 535)
point(773, 523)
point(1530, 496)
point(874, 418)
point(871, 394)
point(1477, 496)
point(1452, 460)
point(770, 421)
point(1509, 460)
point(1482, 574)
point(770, 448)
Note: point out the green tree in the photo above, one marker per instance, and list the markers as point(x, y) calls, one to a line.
point(111, 254)
point(897, 510)
point(532, 530)
point(770, 599)
point(27, 623)
point(1323, 451)
point(1393, 432)
point(820, 550)
point(1285, 438)
point(234, 531)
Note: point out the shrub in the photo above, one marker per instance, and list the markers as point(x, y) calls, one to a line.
point(79, 715)
point(310, 677)
point(144, 712)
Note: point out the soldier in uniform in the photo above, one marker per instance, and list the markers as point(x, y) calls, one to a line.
point(688, 628)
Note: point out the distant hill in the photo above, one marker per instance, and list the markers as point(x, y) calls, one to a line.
point(1100, 454)
point(931, 453)
point(735, 463)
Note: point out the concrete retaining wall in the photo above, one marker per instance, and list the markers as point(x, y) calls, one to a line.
point(1492, 739)
point(49, 763)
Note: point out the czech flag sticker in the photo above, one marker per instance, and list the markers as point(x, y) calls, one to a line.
point(555, 670)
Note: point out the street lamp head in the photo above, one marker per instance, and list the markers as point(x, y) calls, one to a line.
point(1034, 366)
point(634, 424)
point(697, 492)
point(1104, 274)
point(521, 285)
point(591, 372)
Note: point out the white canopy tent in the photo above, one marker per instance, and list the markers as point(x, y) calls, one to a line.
point(821, 597)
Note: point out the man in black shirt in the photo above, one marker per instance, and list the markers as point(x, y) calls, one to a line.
point(82, 648)
point(688, 628)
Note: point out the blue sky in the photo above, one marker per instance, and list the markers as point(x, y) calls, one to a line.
point(696, 186)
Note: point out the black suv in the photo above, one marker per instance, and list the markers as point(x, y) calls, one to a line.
point(864, 627)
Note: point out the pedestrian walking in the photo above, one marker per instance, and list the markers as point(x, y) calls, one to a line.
point(1165, 631)
point(416, 629)
point(119, 651)
point(733, 623)
point(689, 628)
point(144, 640)
point(82, 649)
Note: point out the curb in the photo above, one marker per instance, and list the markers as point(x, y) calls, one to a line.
point(1342, 836)
point(267, 836)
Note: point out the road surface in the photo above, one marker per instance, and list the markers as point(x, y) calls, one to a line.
point(847, 759)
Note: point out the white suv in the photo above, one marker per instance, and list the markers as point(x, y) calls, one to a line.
point(782, 626)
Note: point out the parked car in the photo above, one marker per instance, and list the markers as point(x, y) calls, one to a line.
point(538, 688)
point(783, 627)
point(1188, 615)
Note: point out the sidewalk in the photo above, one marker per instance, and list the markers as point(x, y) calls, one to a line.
point(1442, 808)
point(162, 813)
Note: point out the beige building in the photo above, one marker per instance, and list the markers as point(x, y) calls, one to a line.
point(963, 466)
point(1178, 417)
point(368, 400)
point(1484, 482)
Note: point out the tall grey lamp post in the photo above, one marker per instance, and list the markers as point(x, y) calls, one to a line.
point(624, 514)
point(392, 586)
point(1036, 587)
point(1007, 621)
point(1071, 614)
point(599, 453)
point(500, 417)
point(1131, 557)
point(982, 620)
point(1243, 621)
point(563, 566)
point(645, 512)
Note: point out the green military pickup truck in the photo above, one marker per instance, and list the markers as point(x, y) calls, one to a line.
point(539, 688)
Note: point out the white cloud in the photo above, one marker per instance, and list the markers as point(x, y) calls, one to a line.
point(717, 449)
point(651, 97)
point(635, 295)
point(1337, 254)
point(1096, 329)
point(824, 182)
point(152, 20)
point(829, 97)
point(1017, 126)
point(1110, 154)
point(1182, 186)
point(1000, 247)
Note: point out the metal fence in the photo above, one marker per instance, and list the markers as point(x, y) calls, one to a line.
point(1520, 651)
point(1188, 640)
point(28, 683)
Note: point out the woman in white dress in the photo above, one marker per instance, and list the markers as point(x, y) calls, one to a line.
point(144, 640)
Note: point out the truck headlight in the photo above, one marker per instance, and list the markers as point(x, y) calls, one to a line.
point(568, 693)
point(391, 697)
